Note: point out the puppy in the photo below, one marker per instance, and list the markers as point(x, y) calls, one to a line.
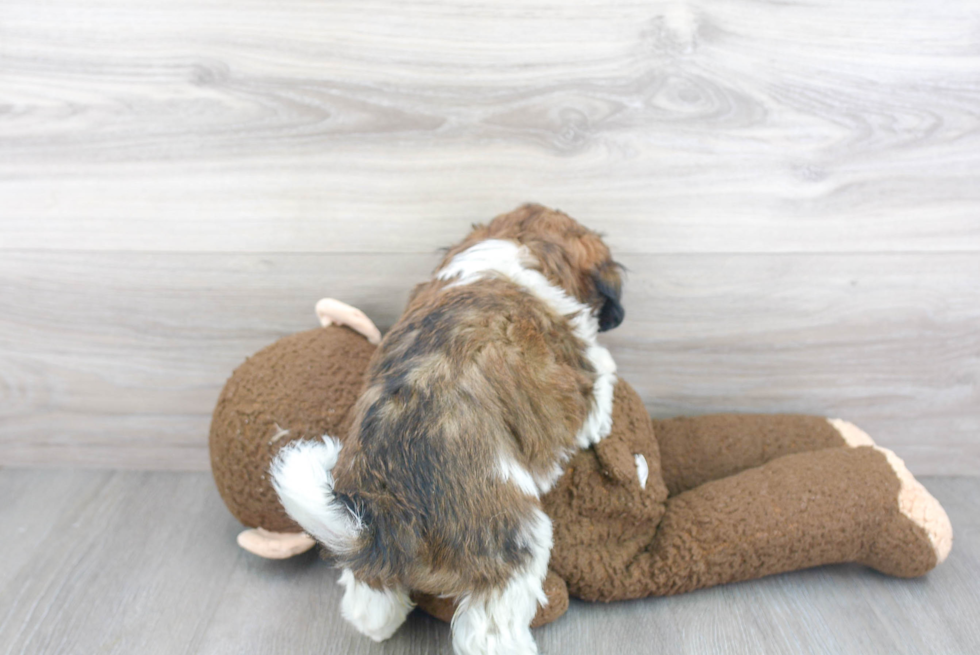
point(473, 402)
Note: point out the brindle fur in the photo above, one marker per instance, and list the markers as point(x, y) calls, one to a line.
point(469, 372)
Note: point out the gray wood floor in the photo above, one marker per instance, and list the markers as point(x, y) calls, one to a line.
point(146, 562)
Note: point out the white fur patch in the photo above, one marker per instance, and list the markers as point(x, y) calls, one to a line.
point(642, 469)
point(504, 257)
point(511, 260)
point(510, 470)
point(499, 622)
point(557, 469)
point(301, 475)
point(375, 614)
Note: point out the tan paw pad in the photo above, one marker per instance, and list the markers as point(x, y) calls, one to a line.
point(275, 545)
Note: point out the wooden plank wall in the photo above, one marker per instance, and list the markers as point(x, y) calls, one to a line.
point(795, 189)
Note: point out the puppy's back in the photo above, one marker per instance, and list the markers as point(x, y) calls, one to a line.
point(471, 399)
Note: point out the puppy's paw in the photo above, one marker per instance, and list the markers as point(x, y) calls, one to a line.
point(374, 613)
point(485, 643)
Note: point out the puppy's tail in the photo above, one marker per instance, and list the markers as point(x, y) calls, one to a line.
point(302, 476)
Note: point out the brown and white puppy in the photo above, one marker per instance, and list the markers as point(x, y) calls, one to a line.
point(474, 401)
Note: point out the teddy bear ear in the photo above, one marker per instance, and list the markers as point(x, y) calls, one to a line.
point(331, 311)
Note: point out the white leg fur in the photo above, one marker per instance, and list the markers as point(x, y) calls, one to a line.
point(914, 501)
point(499, 622)
point(598, 424)
point(301, 475)
point(375, 614)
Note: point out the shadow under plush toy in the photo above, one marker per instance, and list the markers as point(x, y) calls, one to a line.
point(658, 507)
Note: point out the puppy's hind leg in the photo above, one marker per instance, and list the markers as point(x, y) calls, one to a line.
point(498, 622)
point(375, 613)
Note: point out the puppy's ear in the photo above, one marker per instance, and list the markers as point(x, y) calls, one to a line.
point(608, 284)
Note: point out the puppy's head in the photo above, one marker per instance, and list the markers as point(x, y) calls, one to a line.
point(568, 254)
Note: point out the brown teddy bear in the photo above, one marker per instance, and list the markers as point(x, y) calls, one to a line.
point(659, 507)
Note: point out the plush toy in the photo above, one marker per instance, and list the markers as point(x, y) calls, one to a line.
point(659, 507)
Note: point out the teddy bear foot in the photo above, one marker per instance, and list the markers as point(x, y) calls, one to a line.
point(275, 545)
point(918, 536)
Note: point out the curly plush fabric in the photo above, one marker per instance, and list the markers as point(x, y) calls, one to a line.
point(658, 507)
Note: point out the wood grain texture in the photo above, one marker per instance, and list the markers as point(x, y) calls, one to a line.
point(795, 187)
point(116, 359)
point(124, 562)
point(690, 126)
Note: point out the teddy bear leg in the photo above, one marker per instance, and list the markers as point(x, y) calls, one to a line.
point(802, 510)
point(695, 450)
